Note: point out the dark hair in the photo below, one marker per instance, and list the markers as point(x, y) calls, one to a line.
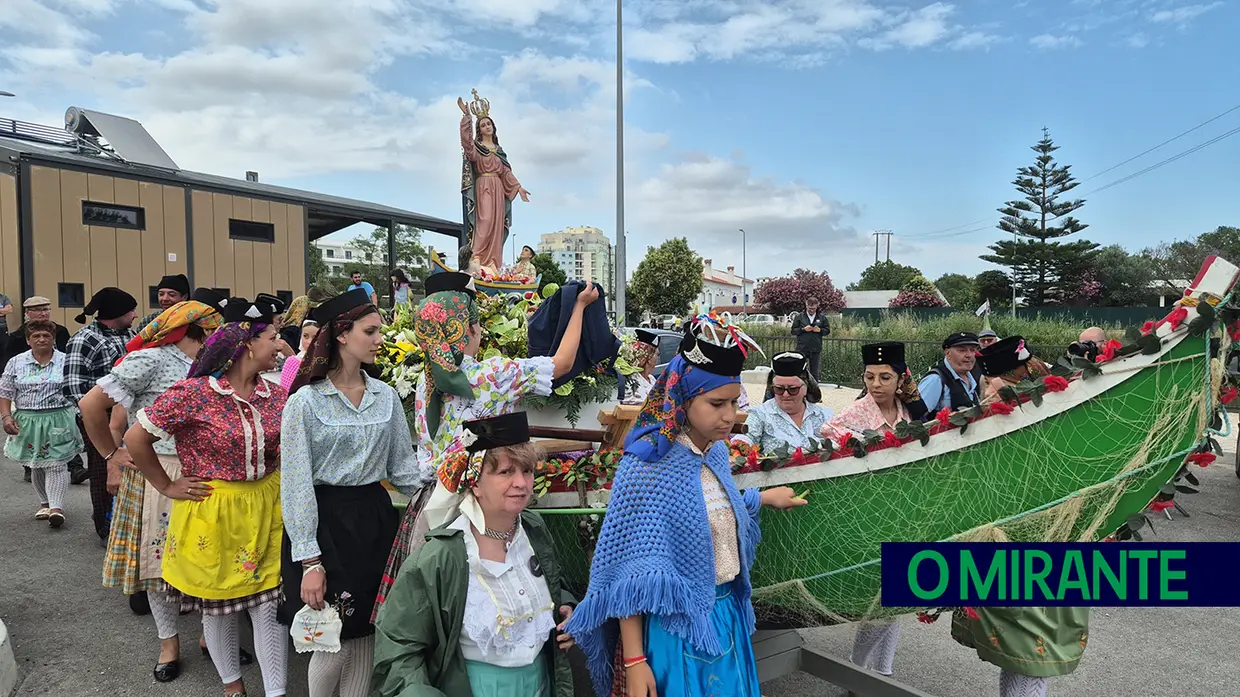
point(195, 332)
point(399, 275)
point(813, 393)
point(342, 326)
point(40, 325)
point(355, 272)
point(494, 130)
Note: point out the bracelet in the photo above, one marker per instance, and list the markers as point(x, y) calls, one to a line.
point(630, 662)
point(313, 567)
point(109, 456)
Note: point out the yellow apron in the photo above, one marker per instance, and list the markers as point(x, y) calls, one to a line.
point(227, 546)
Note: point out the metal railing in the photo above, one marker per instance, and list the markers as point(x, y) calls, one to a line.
point(24, 130)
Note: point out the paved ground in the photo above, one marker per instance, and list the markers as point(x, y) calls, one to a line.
point(74, 637)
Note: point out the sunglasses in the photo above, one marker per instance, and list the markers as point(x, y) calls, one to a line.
point(790, 390)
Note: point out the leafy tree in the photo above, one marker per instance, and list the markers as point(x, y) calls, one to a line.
point(411, 256)
point(1037, 262)
point(885, 275)
point(918, 292)
point(551, 271)
point(668, 278)
point(1177, 263)
point(320, 272)
point(788, 293)
point(1124, 278)
point(958, 289)
point(994, 286)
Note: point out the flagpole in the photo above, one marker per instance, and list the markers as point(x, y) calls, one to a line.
point(620, 270)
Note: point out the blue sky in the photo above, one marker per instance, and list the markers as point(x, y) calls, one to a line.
point(807, 123)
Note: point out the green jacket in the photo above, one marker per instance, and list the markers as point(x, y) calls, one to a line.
point(418, 630)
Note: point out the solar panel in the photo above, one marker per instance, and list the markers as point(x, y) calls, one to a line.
point(126, 137)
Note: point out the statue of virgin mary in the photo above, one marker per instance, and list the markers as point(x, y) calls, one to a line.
point(488, 186)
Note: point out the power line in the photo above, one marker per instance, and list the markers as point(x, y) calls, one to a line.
point(1167, 161)
point(1134, 157)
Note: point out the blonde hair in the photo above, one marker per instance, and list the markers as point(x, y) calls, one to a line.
point(524, 456)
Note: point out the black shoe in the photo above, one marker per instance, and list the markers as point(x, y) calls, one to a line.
point(246, 658)
point(167, 672)
point(26, 476)
point(140, 604)
point(77, 475)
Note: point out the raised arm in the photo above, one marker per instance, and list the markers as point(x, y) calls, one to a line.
point(566, 355)
point(467, 131)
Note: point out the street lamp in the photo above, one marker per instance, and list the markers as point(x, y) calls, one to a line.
point(744, 273)
point(6, 94)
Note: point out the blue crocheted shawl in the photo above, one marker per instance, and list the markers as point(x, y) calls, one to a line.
point(655, 555)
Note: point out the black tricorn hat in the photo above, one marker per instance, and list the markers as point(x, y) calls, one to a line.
point(264, 309)
point(339, 305)
point(884, 353)
point(789, 364)
point(1004, 356)
point(647, 337)
point(498, 431)
point(449, 280)
point(727, 361)
point(206, 296)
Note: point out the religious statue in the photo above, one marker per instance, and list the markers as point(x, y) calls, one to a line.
point(488, 186)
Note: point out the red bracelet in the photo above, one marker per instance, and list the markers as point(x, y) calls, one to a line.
point(630, 662)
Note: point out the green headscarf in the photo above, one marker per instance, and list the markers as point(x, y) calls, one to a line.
point(440, 327)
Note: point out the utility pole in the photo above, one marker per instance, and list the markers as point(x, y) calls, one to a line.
point(621, 242)
point(877, 234)
point(744, 273)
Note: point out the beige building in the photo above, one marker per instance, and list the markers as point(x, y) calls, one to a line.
point(723, 288)
point(100, 203)
point(583, 253)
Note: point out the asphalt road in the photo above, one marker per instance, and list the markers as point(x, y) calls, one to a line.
point(74, 637)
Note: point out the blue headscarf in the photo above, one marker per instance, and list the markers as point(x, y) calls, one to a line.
point(663, 415)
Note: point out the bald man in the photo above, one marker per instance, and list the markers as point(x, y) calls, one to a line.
point(1094, 334)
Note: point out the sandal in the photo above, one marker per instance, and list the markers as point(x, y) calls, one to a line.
point(56, 519)
point(42, 513)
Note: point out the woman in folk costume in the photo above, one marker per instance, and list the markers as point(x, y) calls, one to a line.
point(473, 612)
point(641, 354)
point(1029, 644)
point(159, 357)
point(792, 416)
point(343, 432)
point(222, 553)
point(292, 364)
point(457, 387)
point(1006, 363)
point(43, 433)
point(668, 610)
point(890, 397)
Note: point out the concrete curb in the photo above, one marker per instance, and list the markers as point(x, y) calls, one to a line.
point(8, 664)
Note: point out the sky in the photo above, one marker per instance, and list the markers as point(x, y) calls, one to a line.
point(807, 123)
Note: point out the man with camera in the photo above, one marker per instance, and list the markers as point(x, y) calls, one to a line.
point(1089, 344)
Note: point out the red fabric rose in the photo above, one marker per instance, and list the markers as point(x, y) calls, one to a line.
point(1147, 327)
point(1235, 332)
point(798, 457)
point(1001, 408)
point(1160, 506)
point(972, 614)
point(843, 441)
point(890, 439)
point(1055, 383)
point(944, 417)
point(1202, 459)
point(1229, 395)
point(1177, 316)
point(1108, 351)
point(752, 457)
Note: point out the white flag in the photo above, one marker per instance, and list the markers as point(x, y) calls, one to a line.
point(984, 309)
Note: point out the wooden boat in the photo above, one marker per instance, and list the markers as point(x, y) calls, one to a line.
point(1073, 458)
point(489, 287)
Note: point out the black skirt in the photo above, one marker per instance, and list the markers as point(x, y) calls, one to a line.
point(357, 525)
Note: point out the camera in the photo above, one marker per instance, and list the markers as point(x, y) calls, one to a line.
point(1085, 349)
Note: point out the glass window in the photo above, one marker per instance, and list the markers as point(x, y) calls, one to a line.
point(251, 231)
point(113, 215)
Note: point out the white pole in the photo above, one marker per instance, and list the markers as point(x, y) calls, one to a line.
point(621, 242)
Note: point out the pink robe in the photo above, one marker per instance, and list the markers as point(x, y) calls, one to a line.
point(494, 187)
point(862, 415)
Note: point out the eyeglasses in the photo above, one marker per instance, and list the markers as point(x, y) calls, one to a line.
point(789, 390)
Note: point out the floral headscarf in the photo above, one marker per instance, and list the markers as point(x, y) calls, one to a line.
point(316, 362)
point(440, 326)
point(172, 324)
point(663, 415)
point(297, 311)
point(224, 347)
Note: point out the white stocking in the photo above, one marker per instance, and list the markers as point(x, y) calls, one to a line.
point(875, 645)
point(271, 644)
point(224, 644)
point(349, 669)
point(165, 612)
point(1017, 685)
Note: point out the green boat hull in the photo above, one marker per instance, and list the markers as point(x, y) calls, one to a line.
point(1076, 471)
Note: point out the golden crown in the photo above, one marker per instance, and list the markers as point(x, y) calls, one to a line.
point(479, 107)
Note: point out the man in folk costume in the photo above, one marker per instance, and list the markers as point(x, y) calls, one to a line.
point(91, 354)
point(950, 383)
point(172, 289)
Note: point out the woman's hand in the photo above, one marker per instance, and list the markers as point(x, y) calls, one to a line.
point(187, 489)
point(640, 681)
point(589, 295)
point(114, 478)
point(10, 425)
point(525, 195)
point(313, 588)
point(123, 459)
point(782, 498)
point(565, 640)
point(461, 103)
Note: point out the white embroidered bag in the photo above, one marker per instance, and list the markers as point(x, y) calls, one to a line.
point(316, 630)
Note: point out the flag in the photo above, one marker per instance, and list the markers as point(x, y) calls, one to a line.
point(984, 309)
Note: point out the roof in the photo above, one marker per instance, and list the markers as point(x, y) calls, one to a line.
point(328, 211)
point(871, 299)
point(723, 279)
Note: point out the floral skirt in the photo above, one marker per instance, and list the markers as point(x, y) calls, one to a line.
point(46, 438)
point(223, 553)
point(1040, 642)
point(140, 517)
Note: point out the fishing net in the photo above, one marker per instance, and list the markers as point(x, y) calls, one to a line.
point(1075, 476)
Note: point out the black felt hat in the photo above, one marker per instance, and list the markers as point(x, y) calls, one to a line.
point(177, 282)
point(498, 431)
point(884, 353)
point(789, 364)
point(263, 309)
point(699, 351)
point(647, 337)
point(449, 280)
point(339, 305)
point(1004, 356)
point(206, 296)
point(107, 303)
point(961, 339)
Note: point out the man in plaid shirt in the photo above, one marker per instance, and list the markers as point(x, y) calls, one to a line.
point(91, 354)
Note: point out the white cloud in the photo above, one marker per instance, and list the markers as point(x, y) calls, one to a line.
point(1049, 42)
point(1183, 15)
point(1137, 40)
point(922, 27)
point(974, 40)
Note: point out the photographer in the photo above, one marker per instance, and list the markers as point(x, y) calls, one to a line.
point(1089, 344)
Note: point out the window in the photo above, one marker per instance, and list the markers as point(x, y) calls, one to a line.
point(331, 253)
point(251, 231)
point(153, 296)
point(71, 294)
point(348, 254)
point(113, 215)
point(285, 296)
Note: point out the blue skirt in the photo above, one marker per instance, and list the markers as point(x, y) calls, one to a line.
point(680, 670)
point(486, 680)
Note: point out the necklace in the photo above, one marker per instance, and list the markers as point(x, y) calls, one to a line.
point(505, 537)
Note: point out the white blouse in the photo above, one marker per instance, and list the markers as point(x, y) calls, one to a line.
point(509, 612)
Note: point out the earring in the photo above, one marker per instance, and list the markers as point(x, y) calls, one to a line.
point(251, 352)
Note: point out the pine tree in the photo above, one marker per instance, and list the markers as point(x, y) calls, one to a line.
point(1037, 259)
